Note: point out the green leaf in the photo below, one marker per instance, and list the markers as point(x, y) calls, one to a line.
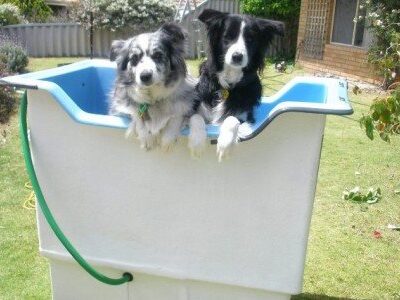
point(375, 116)
point(385, 137)
point(385, 117)
point(369, 128)
point(355, 195)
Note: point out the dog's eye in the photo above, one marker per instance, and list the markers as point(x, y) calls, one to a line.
point(249, 39)
point(229, 37)
point(157, 56)
point(135, 59)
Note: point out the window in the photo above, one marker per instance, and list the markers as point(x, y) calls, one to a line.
point(345, 28)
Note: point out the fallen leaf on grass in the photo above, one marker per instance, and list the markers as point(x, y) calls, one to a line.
point(377, 234)
point(373, 196)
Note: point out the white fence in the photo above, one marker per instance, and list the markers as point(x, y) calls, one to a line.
point(71, 39)
point(64, 39)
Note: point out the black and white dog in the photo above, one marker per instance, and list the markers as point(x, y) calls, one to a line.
point(153, 87)
point(229, 88)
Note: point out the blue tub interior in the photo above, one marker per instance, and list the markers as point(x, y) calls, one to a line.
point(90, 89)
point(83, 89)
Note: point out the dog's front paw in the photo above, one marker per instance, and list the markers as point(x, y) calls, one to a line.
point(198, 136)
point(131, 131)
point(224, 149)
point(148, 142)
point(167, 144)
point(197, 150)
point(228, 137)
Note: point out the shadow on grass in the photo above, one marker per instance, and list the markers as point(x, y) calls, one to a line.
point(307, 296)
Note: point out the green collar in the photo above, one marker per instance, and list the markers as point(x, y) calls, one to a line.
point(144, 111)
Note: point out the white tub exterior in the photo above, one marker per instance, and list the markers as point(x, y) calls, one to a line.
point(186, 229)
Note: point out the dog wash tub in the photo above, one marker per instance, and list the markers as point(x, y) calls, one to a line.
point(184, 228)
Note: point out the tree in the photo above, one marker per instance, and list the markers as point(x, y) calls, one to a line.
point(383, 19)
point(283, 10)
point(9, 14)
point(287, 11)
point(117, 15)
point(32, 10)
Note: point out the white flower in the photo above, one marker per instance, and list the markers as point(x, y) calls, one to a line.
point(394, 75)
point(373, 15)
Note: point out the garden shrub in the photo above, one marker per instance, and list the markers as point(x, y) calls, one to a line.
point(7, 96)
point(33, 10)
point(383, 117)
point(287, 11)
point(121, 14)
point(383, 19)
point(13, 56)
point(283, 10)
point(9, 14)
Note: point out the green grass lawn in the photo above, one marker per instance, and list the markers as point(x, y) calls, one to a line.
point(344, 259)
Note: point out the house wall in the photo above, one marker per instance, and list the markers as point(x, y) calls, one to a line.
point(342, 60)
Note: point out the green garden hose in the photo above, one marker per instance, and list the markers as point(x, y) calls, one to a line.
point(126, 277)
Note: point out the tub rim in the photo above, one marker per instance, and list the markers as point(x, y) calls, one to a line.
point(336, 102)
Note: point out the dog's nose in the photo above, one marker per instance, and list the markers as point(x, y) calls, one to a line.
point(237, 57)
point(146, 77)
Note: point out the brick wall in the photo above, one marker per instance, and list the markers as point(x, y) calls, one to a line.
point(342, 60)
point(302, 21)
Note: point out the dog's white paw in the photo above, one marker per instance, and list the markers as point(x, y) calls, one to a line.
point(224, 150)
point(197, 137)
point(148, 142)
point(244, 130)
point(228, 137)
point(167, 144)
point(131, 131)
point(196, 151)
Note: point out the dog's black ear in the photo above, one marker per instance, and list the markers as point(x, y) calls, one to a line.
point(116, 48)
point(175, 33)
point(270, 27)
point(209, 16)
point(119, 53)
point(174, 37)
